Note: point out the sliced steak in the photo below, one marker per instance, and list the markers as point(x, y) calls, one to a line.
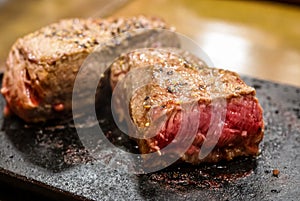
point(176, 82)
point(42, 66)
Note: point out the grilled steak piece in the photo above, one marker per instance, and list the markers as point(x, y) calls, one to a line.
point(176, 83)
point(42, 66)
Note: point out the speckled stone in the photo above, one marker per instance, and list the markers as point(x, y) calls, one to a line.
point(56, 161)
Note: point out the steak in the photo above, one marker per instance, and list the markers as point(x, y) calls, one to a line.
point(177, 83)
point(42, 66)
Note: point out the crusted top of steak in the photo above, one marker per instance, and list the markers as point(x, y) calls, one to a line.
point(162, 57)
point(72, 36)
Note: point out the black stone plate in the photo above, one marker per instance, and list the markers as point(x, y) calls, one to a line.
point(45, 161)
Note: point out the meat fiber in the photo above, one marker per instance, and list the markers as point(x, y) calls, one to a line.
point(176, 82)
point(42, 66)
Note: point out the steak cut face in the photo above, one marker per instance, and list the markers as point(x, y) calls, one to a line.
point(42, 66)
point(177, 83)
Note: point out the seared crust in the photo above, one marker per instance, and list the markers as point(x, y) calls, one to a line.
point(149, 57)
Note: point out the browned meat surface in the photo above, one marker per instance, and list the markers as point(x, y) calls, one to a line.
point(42, 66)
point(149, 57)
point(177, 82)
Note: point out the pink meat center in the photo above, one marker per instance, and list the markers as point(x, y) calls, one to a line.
point(243, 125)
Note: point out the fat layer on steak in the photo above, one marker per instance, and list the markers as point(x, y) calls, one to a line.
point(177, 82)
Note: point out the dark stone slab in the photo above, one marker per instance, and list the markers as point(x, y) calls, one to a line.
point(50, 161)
